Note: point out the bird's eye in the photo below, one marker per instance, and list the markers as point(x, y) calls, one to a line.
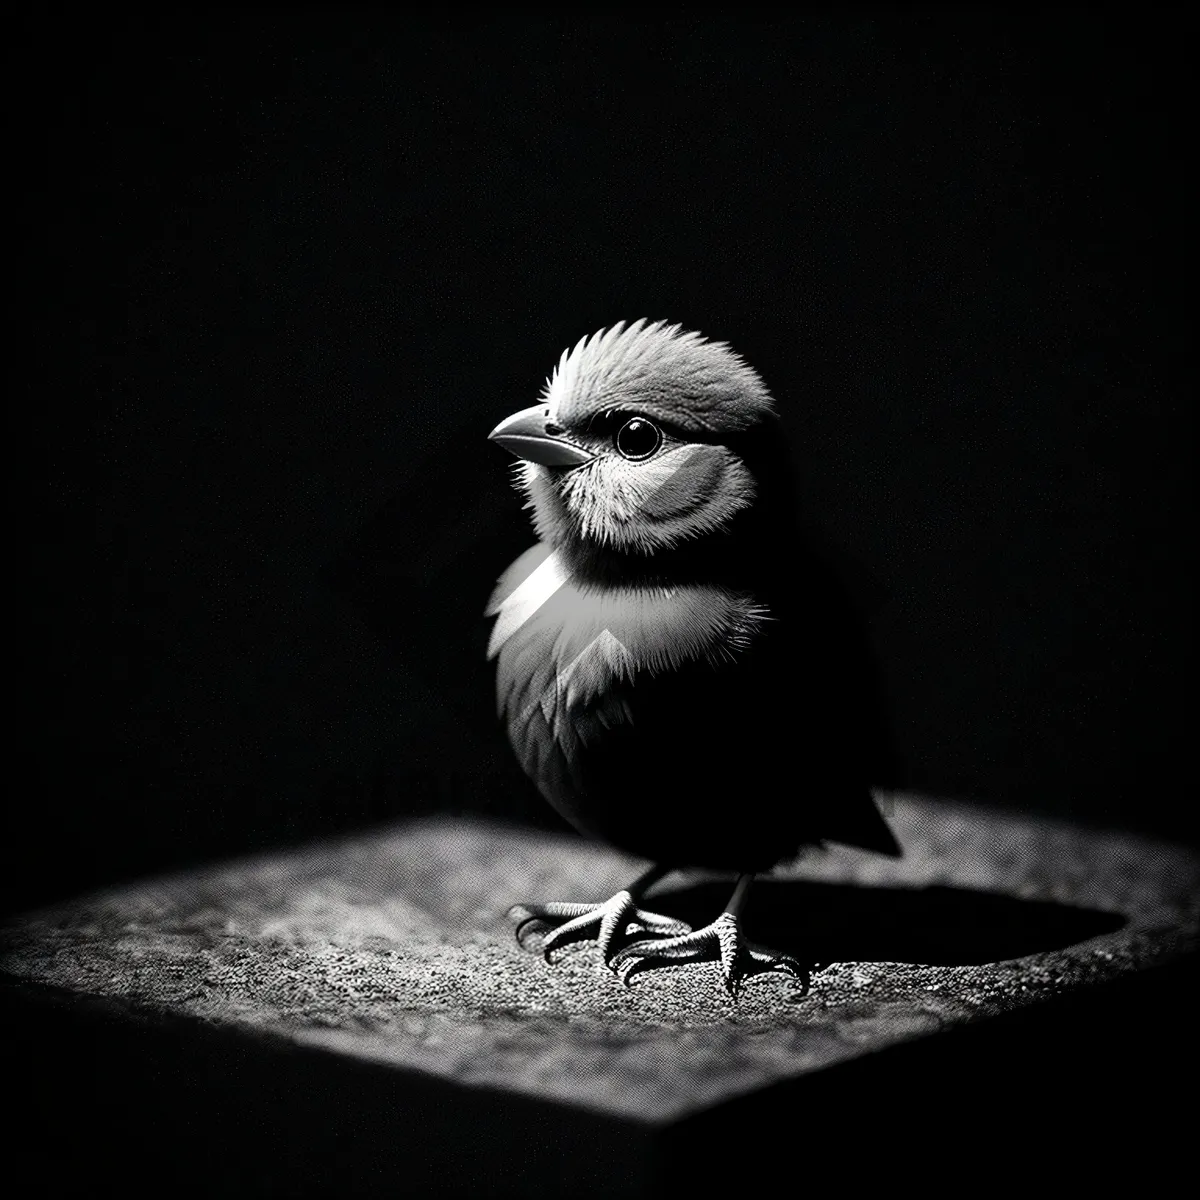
point(638, 438)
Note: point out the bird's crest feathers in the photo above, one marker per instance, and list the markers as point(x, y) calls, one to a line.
point(660, 369)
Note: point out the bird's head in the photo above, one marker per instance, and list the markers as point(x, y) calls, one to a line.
point(646, 440)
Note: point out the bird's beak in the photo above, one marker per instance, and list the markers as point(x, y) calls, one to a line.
point(531, 435)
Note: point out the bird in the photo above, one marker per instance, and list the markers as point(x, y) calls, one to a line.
point(678, 669)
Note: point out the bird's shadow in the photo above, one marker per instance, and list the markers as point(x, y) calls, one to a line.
point(931, 926)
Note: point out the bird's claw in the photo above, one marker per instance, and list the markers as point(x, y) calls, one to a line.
point(722, 939)
point(614, 917)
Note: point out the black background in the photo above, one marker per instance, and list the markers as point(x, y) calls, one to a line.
point(278, 275)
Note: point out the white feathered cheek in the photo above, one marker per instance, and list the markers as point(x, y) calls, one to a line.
point(607, 496)
point(684, 492)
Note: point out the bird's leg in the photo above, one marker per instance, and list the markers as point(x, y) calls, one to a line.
point(722, 939)
point(612, 918)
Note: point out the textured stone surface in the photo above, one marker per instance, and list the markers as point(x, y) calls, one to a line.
point(393, 946)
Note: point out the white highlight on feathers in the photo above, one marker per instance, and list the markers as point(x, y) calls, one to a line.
point(604, 659)
point(526, 599)
point(605, 653)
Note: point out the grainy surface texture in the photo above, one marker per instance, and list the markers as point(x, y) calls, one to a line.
point(393, 946)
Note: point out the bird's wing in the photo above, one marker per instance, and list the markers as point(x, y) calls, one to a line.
point(569, 657)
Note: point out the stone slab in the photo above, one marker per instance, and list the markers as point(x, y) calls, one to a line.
point(391, 949)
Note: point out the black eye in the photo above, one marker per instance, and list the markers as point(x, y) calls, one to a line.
point(638, 438)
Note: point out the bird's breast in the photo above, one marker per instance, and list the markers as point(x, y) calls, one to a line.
point(588, 638)
point(575, 662)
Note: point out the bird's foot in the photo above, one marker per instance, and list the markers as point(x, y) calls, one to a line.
point(613, 918)
point(722, 939)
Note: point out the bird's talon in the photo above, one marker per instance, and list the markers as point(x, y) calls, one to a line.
point(723, 940)
point(523, 925)
point(611, 921)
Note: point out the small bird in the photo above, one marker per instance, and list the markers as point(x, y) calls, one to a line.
point(678, 671)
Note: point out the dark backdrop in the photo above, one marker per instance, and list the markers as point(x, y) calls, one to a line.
point(279, 275)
